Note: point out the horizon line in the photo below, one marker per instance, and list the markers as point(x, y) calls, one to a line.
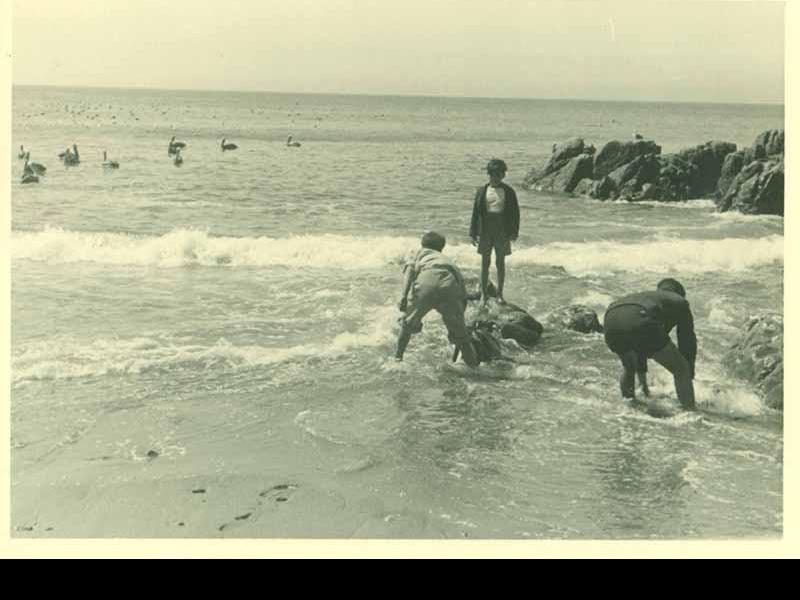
point(384, 94)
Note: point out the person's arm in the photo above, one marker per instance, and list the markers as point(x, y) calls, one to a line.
point(513, 207)
point(476, 215)
point(687, 340)
point(410, 274)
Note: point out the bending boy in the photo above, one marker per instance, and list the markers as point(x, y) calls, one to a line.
point(637, 327)
point(435, 282)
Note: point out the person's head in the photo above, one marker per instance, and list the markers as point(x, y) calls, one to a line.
point(671, 285)
point(496, 169)
point(433, 241)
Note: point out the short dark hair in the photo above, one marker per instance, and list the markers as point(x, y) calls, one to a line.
point(433, 241)
point(496, 166)
point(671, 285)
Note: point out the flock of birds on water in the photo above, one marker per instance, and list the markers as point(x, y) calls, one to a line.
point(71, 157)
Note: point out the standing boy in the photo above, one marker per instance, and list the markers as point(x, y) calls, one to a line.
point(494, 225)
point(435, 282)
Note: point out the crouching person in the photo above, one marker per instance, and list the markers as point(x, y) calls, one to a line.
point(435, 282)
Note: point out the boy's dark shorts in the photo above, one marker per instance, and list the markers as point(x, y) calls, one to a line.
point(494, 236)
point(631, 328)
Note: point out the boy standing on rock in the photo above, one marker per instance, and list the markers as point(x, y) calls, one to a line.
point(494, 225)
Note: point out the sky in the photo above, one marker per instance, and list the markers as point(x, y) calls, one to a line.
point(714, 51)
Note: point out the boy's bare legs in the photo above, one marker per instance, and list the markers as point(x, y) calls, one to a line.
point(671, 359)
point(627, 381)
point(486, 261)
point(402, 342)
point(501, 276)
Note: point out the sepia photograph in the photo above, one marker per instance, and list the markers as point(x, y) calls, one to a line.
point(418, 272)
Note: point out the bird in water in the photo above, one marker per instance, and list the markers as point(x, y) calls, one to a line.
point(225, 146)
point(28, 176)
point(109, 164)
point(71, 157)
point(178, 160)
point(292, 144)
point(38, 168)
point(174, 146)
point(21, 154)
point(638, 136)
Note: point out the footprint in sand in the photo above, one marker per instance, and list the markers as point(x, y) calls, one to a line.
point(278, 494)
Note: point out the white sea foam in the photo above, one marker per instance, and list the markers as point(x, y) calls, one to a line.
point(73, 359)
point(182, 247)
point(676, 255)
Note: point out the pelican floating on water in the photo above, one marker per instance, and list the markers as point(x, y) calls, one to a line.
point(28, 176)
point(292, 144)
point(225, 146)
point(174, 146)
point(38, 168)
point(109, 164)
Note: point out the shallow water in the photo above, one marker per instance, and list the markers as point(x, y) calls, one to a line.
point(237, 316)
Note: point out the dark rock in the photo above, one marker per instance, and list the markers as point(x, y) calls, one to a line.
point(769, 143)
point(674, 178)
point(757, 189)
point(566, 178)
point(733, 165)
point(615, 154)
point(708, 158)
point(630, 177)
point(563, 152)
point(757, 356)
point(152, 454)
point(509, 321)
point(575, 317)
point(604, 189)
point(584, 187)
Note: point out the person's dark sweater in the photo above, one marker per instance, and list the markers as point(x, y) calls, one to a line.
point(670, 310)
point(510, 212)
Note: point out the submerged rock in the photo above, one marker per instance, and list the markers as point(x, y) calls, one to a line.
point(757, 356)
point(509, 321)
point(575, 317)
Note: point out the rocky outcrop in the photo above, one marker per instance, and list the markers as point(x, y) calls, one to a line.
point(749, 180)
point(732, 166)
point(708, 158)
point(758, 189)
point(757, 356)
point(570, 162)
point(615, 154)
point(767, 144)
point(565, 178)
point(575, 317)
point(752, 181)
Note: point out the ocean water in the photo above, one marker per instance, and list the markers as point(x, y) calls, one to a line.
point(229, 326)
